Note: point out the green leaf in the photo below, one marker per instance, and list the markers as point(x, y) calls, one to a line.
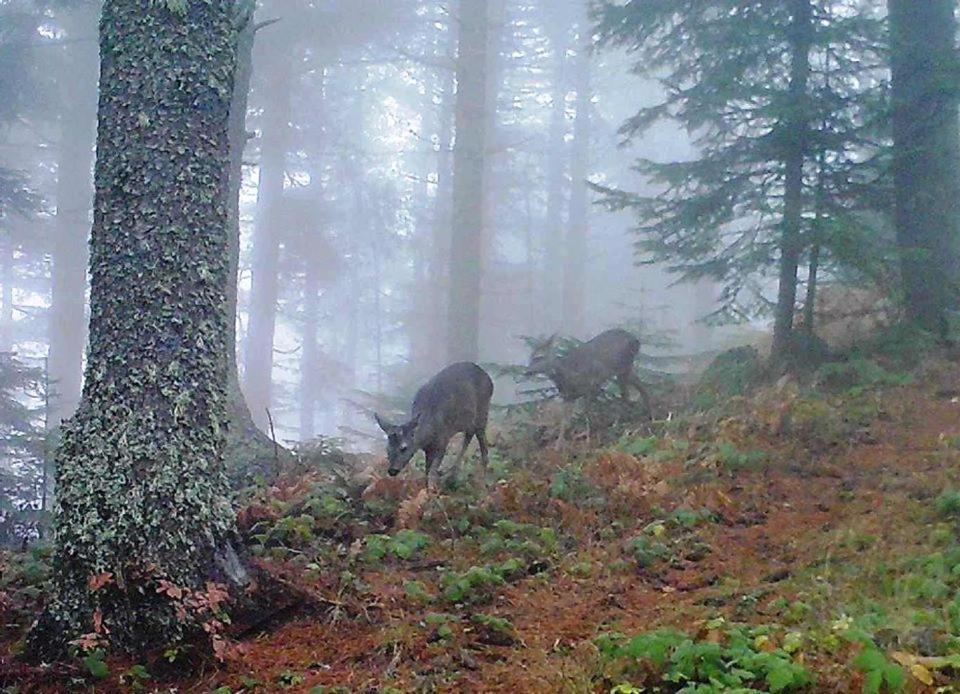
point(95, 666)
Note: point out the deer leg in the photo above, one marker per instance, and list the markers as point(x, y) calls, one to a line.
point(638, 384)
point(434, 458)
point(623, 382)
point(467, 438)
point(484, 457)
point(564, 423)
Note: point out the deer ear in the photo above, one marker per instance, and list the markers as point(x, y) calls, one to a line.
point(385, 425)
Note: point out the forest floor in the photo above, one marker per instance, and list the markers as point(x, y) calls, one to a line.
point(798, 539)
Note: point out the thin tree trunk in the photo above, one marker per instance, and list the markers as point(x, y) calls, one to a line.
point(926, 156)
point(264, 290)
point(6, 293)
point(309, 361)
point(576, 250)
point(466, 257)
point(142, 498)
point(442, 220)
point(552, 303)
point(810, 303)
point(249, 453)
point(795, 127)
point(425, 284)
point(68, 324)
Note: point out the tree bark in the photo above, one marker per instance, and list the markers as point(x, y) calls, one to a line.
point(926, 156)
point(264, 290)
point(68, 325)
point(142, 495)
point(794, 134)
point(466, 257)
point(575, 249)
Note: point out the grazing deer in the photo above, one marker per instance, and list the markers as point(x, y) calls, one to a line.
point(455, 400)
point(585, 369)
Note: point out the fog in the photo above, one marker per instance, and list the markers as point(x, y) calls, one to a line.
point(346, 204)
point(377, 242)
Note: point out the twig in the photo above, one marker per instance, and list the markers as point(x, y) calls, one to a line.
point(276, 446)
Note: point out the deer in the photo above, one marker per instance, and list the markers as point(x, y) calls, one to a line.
point(584, 370)
point(456, 400)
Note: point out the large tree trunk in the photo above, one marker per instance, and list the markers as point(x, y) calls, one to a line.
point(795, 129)
point(466, 261)
point(142, 495)
point(576, 250)
point(68, 325)
point(926, 156)
point(264, 290)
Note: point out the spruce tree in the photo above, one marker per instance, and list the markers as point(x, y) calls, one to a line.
point(767, 90)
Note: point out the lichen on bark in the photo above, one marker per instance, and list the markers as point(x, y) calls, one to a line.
point(142, 491)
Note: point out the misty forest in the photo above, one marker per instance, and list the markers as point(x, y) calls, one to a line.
point(479, 346)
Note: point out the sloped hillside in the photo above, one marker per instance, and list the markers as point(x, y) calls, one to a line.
point(801, 538)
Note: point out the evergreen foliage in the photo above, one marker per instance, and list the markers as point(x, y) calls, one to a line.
point(729, 75)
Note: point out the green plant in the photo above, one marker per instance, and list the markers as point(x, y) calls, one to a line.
point(568, 484)
point(638, 447)
point(858, 375)
point(135, 678)
point(288, 679)
point(948, 504)
point(647, 551)
point(704, 666)
point(95, 664)
point(417, 591)
point(404, 545)
point(878, 671)
point(478, 583)
point(733, 459)
point(688, 518)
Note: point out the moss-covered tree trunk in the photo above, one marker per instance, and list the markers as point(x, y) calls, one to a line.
point(142, 495)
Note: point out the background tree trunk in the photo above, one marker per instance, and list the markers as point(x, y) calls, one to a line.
point(7, 272)
point(794, 133)
point(68, 324)
point(442, 217)
point(926, 156)
point(249, 452)
point(264, 290)
point(576, 248)
point(142, 495)
point(552, 302)
point(466, 261)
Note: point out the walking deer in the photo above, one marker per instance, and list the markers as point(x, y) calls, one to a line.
point(455, 400)
point(584, 370)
